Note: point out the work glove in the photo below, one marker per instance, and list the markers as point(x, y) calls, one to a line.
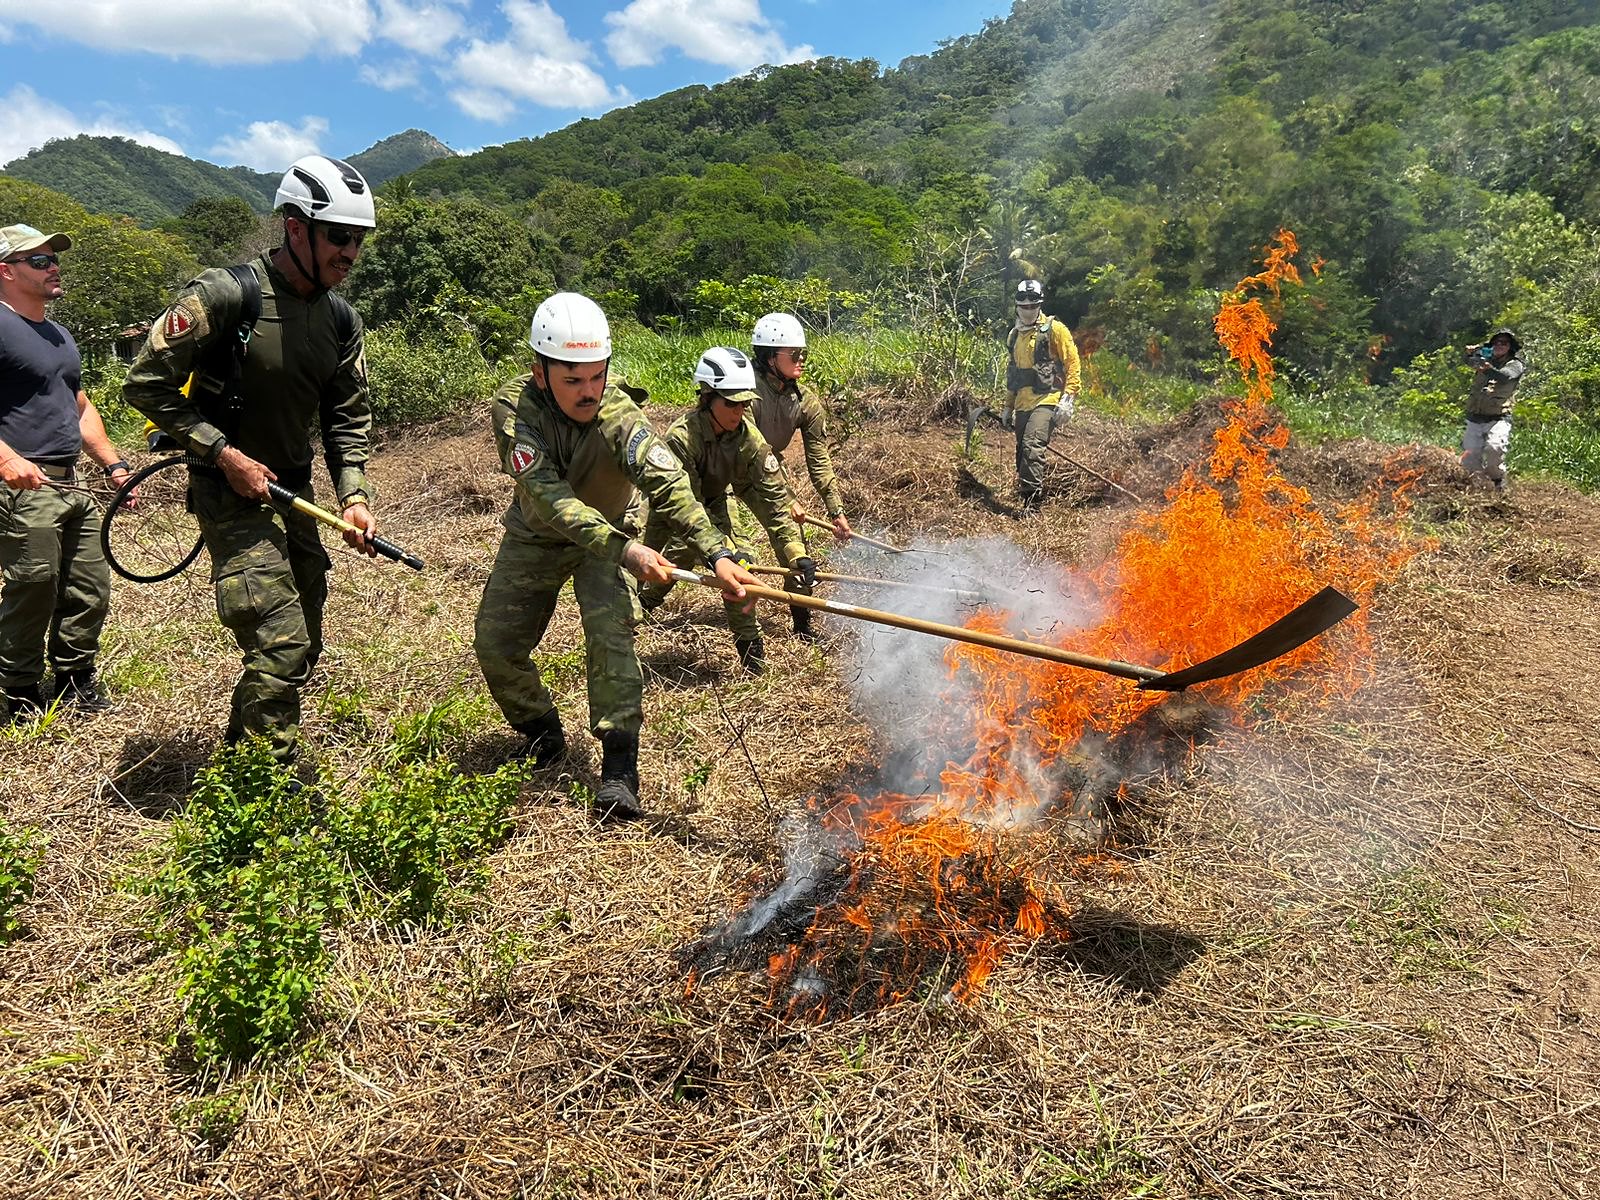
point(807, 568)
point(744, 557)
point(1065, 408)
point(1008, 419)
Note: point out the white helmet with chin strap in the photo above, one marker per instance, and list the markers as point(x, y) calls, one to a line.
point(724, 369)
point(328, 190)
point(778, 329)
point(570, 328)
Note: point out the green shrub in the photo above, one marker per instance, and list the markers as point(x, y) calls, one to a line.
point(253, 967)
point(420, 380)
point(20, 855)
point(418, 832)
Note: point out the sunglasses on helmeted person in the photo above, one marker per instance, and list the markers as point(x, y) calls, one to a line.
point(39, 262)
point(338, 236)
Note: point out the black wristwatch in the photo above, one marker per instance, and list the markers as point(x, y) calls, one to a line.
point(119, 465)
point(717, 556)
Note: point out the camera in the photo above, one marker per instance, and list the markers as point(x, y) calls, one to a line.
point(1485, 352)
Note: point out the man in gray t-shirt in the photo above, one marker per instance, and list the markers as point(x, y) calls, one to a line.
point(54, 584)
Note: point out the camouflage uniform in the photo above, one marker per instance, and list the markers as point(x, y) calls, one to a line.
point(782, 409)
point(716, 461)
point(575, 482)
point(1039, 403)
point(268, 567)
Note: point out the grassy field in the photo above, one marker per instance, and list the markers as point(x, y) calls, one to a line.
point(1326, 942)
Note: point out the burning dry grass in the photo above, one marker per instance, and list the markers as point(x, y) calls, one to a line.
point(1339, 948)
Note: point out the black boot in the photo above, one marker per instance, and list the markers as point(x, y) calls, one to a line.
point(22, 703)
point(546, 741)
point(80, 690)
point(618, 798)
point(803, 628)
point(752, 654)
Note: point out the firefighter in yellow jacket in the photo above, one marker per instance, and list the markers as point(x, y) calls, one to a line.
point(722, 450)
point(578, 446)
point(1043, 377)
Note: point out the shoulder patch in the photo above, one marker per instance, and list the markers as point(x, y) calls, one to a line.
point(522, 457)
point(661, 458)
point(639, 438)
point(184, 320)
point(771, 463)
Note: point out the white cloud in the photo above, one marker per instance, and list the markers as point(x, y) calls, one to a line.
point(28, 120)
point(271, 145)
point(730, 33)
point(538, 62)
point(391, 77)
point(251, 31)
point(421, 28)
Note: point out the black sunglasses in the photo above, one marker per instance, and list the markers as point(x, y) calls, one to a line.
point(37, 261)
point(342, 237)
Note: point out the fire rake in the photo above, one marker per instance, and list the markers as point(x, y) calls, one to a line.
point(1296, 627)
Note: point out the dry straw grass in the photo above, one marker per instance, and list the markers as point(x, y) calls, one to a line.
point(1341, 953)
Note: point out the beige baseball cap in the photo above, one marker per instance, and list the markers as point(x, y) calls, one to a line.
point(25, 239)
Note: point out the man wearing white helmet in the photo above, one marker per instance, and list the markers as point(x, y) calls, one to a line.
point(721, 449)
point(783, 408)
point(578, 447)
point(1042, 383)
point(238, 370)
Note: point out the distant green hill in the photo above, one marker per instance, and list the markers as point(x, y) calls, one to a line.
point(115, 175)
point(399, 155)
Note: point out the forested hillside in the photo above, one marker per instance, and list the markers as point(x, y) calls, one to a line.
point(1437, 160)
point(115, 175)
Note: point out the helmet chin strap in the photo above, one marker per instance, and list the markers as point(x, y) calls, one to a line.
point(313, 276)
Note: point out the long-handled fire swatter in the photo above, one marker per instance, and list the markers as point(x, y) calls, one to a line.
point(156, 536)
point(1310, 618)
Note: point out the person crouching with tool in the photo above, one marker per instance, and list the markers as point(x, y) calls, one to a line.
point(721, 449)
point(578, 446)
point(56, 587)
point(236, 371)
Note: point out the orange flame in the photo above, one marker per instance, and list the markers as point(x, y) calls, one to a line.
point(932, 890)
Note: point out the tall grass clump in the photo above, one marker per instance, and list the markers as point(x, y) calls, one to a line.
point(416, 380)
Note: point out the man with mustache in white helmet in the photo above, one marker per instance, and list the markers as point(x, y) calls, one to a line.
point(578, 447)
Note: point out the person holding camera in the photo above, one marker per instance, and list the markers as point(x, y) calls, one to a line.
point(1497, 368)
point(1042, 383)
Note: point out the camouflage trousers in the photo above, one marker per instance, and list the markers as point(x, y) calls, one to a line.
point(56, 586)
point(517, 605)
point(271, 578)
point(744, 625)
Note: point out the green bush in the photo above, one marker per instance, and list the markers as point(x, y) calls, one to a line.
point(252, 968)
point(20, 854)
point(413, 381)
point(417, 833)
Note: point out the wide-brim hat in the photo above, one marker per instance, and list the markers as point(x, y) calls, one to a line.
point(25, 239)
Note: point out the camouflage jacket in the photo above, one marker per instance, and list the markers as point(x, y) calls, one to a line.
point(1062, 349)
point(296, 372)
point(575, 481)
point(780, 412)
point(740, 460)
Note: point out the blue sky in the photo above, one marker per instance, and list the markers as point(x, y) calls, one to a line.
point(260, 82)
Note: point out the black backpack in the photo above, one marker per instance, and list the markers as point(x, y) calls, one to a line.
point(216, 377)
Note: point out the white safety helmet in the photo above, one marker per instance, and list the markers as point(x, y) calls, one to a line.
point(778, 329)
point(327, 189)
point(570, 328)
point(724, 369)
point(1030, 291)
